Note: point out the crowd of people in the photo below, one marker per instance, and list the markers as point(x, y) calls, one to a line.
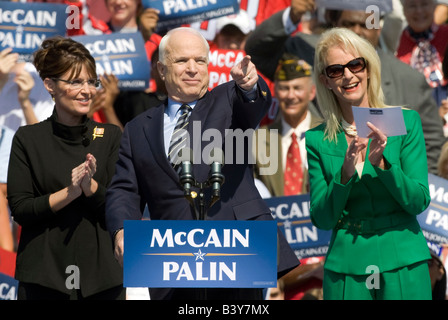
point(64, 195)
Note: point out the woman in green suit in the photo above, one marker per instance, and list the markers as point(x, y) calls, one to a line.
point(367, 190)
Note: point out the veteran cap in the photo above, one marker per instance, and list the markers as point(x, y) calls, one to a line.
point(291, 67)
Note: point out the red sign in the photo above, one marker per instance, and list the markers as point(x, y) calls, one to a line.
point(221, 62)
point(7, 262)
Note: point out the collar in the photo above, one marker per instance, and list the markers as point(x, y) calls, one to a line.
point(122, 29)
point(72, 133)
point(424, 35)
point(173, 107)
point(300, 130)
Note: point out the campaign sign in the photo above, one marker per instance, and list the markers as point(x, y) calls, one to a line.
point(23, 27)
point(383, 5)
point(178, 12)
point(434, 220)
point(121, 54)
point(292, 214)
point(221, 62)
point(203, 254)
point(8, 285)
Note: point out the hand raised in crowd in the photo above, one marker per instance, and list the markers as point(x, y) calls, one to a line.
point(25, 82)
point(109, 83)
point(245, 74)
point(377, 145)
point(105, 98)
point(148, 22)
point(7, 61)
point(299, 7)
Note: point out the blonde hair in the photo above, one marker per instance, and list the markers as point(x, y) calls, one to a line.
point(359, 47)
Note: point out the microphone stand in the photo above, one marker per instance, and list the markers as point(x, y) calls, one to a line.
point(187, 180)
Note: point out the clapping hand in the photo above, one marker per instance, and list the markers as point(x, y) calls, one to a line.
point(82, 180)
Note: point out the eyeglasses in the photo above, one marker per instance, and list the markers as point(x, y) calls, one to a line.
point(337, 70)
point(78, 83)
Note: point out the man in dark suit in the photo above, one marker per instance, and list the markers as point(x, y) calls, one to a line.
point(402, 85)
point(145, 176)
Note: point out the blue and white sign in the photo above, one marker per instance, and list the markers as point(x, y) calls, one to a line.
point(121, 54)
point(204, 254)
point(292, 214)
point(178, 12)
point(24, 26)
point(434, 220)
point(383, 5)
point(8, 287)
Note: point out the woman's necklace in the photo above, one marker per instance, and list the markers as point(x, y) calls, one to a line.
point(349, 128)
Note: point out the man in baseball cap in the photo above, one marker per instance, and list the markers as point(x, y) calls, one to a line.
point(233, 30)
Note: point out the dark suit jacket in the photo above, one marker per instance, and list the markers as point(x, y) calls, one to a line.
point(402, 85)
point(144, 175)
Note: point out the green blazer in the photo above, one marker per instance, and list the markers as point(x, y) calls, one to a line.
point(373, 218)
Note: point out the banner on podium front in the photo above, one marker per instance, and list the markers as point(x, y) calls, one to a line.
point(292, 214)
point(24, 26)
point(202, 254)
point(121, 54)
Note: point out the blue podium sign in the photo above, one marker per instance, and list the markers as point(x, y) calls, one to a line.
point(203, 254)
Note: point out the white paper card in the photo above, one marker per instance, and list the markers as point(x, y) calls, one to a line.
point(389, 120)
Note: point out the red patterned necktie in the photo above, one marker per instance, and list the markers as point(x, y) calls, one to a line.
point(293, 171)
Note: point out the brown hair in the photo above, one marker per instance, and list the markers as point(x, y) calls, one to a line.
point(59, 55)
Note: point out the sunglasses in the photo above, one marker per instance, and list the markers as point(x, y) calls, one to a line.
point(337, 70)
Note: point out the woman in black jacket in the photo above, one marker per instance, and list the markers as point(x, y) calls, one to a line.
point(58, 173)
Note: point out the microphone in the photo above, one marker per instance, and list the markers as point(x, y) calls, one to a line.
point(216, 177)
point(85, 141)
point(186, 178)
